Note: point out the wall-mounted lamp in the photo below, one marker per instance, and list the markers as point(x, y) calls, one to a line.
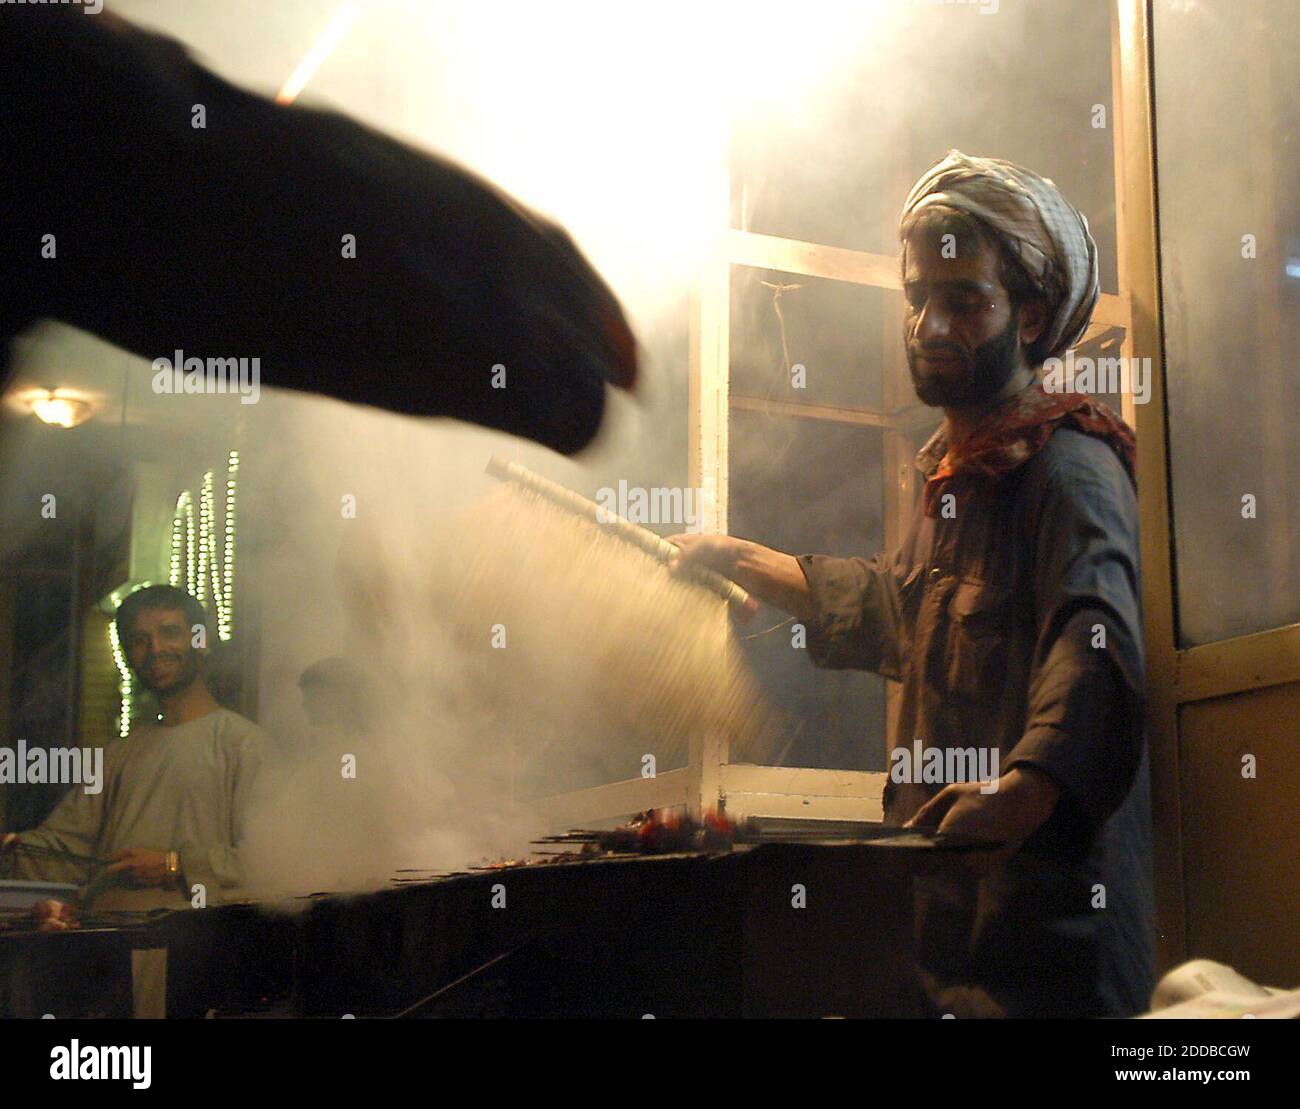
point(57, 407)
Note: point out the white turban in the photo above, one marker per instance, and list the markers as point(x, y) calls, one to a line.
point(1043, 229)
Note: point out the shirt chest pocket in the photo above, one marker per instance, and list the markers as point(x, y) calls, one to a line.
point(979, 631)
point(910, 594)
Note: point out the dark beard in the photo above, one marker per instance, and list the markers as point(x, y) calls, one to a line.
point(995, 362)
point(186, 675)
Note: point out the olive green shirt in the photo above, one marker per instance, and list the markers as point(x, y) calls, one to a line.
point(184, 788)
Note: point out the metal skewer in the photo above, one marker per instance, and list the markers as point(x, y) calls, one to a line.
point(56, 853)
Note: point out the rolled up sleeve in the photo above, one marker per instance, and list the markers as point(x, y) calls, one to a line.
point(855, 614)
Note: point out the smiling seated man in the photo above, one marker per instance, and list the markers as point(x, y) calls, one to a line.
point(175, 791)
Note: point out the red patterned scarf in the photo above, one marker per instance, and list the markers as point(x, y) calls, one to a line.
point(1013, 436)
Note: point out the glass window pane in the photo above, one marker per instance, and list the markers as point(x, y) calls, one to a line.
point(1227, 115)
point(802, 486)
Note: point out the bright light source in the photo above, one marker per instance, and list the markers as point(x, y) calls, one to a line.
point(615, 119)
point(60, 408)
point(324, 46)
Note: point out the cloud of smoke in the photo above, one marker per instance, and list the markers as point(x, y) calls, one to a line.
point(358, 528)
point(508, 650)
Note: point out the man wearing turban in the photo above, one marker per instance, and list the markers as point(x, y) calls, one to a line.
point(1010, 614)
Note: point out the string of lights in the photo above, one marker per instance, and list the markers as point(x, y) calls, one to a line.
point(124, 671)
point(207, 547)
point(225, 609)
